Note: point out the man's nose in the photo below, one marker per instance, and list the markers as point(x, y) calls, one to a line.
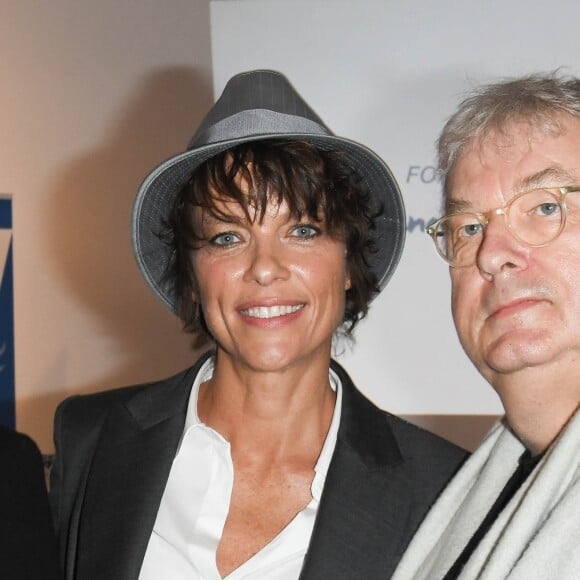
point(499, 249)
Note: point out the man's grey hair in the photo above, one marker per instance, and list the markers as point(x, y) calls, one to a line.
point(538, 100)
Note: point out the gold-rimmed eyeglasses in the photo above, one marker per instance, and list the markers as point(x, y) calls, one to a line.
point(535, 218)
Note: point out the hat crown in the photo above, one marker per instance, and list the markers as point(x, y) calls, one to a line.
point(261, 102)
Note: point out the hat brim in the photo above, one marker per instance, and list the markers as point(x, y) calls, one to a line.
point(157, 192)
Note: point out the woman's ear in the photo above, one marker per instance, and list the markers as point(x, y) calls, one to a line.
point(347, 282)
point(194, 293)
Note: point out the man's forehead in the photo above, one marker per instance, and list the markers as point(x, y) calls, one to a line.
point(512, 137)
point(459, 200)
point(489, 160)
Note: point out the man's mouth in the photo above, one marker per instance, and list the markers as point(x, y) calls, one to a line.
point(515, 306)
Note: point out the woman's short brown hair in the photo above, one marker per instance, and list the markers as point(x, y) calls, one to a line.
point(314, 183)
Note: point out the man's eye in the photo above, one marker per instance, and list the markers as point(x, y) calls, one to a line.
point(470, 230)
point(547, 209)
point(224, 239)
point(305, 231)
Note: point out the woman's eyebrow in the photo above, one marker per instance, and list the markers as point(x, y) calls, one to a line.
point(209, 219)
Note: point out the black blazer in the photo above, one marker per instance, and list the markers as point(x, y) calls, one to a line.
point(27, 540)
point(114, 451)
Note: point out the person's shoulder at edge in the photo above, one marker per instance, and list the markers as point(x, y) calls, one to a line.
point(13, 442)
point(18, 449)
point(27, 542)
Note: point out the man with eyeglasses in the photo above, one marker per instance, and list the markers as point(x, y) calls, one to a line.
point(510, 161)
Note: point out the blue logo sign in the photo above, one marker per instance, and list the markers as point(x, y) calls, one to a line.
point(7, 412)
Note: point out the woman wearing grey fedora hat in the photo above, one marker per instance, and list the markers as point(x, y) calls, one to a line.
point(270, 234)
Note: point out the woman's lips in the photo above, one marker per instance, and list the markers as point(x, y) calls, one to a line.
point(271, 315)
point(266, 312)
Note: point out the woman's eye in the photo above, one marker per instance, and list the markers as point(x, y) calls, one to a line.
point(224, 239)
point(305, 231)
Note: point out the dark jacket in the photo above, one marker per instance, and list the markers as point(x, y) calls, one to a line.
point(114, 453)
point(27, 540)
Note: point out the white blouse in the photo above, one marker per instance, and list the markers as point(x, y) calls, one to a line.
point(196, 501)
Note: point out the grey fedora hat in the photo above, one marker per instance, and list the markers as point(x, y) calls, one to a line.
point(259, 105)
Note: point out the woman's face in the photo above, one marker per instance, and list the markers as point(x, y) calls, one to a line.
point(272, 290)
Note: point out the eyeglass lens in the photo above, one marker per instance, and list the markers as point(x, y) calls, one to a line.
point(535, 218)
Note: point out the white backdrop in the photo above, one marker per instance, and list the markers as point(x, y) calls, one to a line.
point(388, 74)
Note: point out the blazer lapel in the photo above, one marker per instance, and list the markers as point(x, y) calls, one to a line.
point(127, 479)
point(366, 498)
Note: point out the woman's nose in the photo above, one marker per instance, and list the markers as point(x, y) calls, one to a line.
point(267, 263)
